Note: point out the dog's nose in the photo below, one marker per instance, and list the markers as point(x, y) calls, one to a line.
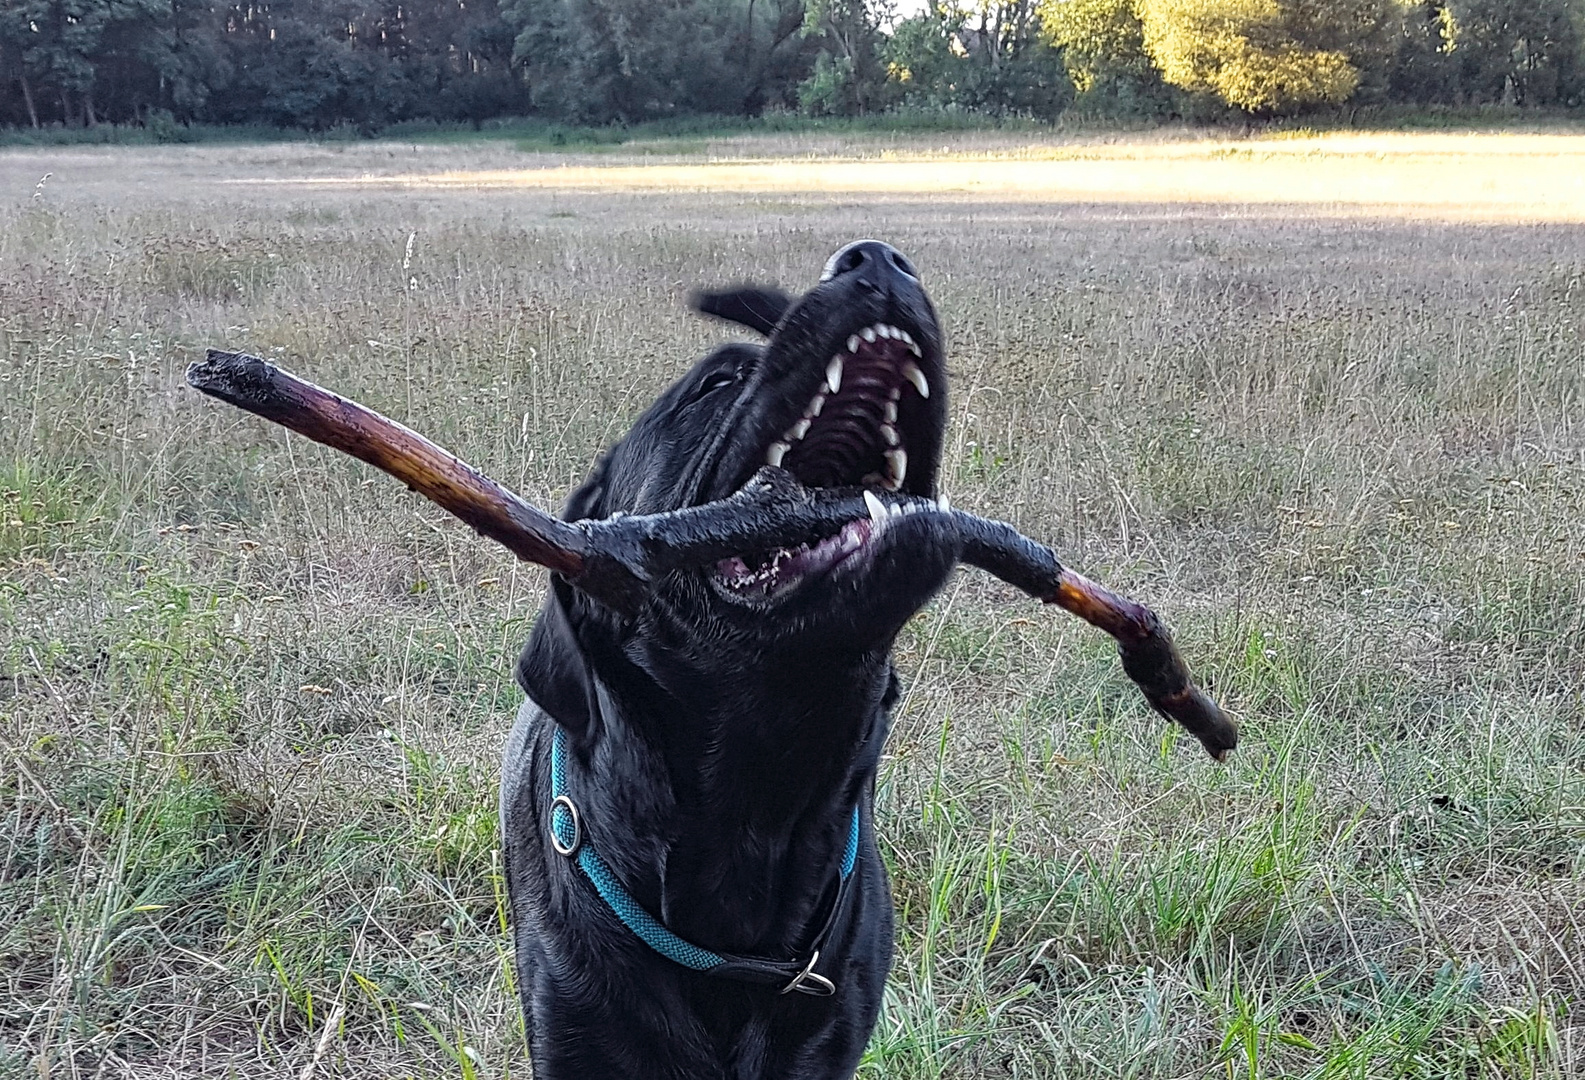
point(875, 264)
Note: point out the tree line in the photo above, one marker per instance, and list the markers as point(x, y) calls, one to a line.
point(320, 64)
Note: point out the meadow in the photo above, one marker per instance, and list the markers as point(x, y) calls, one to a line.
point(1319, 400)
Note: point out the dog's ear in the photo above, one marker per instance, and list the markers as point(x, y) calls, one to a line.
point(554, 668)
point(755, 307)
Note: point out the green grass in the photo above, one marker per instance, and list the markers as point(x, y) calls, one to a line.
point(252, 693)
point(528, 133)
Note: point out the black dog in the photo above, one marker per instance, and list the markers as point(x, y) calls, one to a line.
point(686, 800)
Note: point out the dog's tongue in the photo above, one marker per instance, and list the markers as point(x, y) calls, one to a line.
point(789, 565)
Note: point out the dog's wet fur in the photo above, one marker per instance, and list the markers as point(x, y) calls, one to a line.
point(718, 742)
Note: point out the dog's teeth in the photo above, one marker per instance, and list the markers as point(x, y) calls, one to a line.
point(895, 394)
point(908, 339)
point(897, 467)
point(886, 330)
point(798, 430)
point(943, 504)
point(876, 508)
point(889, 413)
point(853, 343)
point(816, 403)
point(912, 373)
point(777, 451)
point(889, 433)
point(834, 374)
point(868, 333)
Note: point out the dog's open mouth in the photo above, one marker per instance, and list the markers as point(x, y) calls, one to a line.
point(856, 431)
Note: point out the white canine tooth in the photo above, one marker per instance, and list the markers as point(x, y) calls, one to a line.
point(889, 433)
point(853, 343)
point(912, 373)
point(897, 465)
point(908, 338)
point(816, 403)
point(876, 508)
point(890, 412)
point(915, 349)
point(776, 452)
point(943, 504)
point(868, 333)
point(834, 374)
point(798, 430)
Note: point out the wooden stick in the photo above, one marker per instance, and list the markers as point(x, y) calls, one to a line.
point(617, 561)
point(268, 391)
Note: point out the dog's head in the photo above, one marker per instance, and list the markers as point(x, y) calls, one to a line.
point(848, 391)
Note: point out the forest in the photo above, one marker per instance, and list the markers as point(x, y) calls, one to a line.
point(318, 65)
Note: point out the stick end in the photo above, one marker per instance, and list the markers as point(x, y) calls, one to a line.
point(237, 378)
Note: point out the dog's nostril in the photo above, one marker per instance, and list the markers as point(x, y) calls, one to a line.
point(869, 256)
point(845, 261)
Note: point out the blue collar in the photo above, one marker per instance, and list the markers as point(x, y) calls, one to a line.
point(567, 837)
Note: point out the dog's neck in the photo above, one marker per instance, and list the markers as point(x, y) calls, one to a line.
point(726, 821)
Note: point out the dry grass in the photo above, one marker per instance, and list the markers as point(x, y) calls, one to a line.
point(251, 695)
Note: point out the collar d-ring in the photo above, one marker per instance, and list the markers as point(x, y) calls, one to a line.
point(568, 847)
point(809, 981)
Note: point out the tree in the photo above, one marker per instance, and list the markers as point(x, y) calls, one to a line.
point(849, 76)
point(1102, 44)
point(596, 61)
point(989, 56)
point(1263, 56)
point(1521, 52)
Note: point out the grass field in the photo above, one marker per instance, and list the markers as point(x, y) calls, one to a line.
point(1317, 400)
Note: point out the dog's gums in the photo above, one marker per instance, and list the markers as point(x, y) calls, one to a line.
point(772, 574)
point(855, 428)
point(855, 432)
